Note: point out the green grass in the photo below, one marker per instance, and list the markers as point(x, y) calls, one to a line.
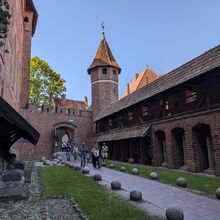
point(204, 184)
point(93, 199)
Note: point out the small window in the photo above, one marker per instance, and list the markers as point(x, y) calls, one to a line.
point(114, 72)
point(114, 91)
point(144, 111)
point(109, 122)
point(166, 106)
point(104, 71)
point(191, 96)
point(130, 116)
point(48, 109)
point(26, 19)
point(61, 111)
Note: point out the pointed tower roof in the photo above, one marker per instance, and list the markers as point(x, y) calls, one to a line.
point(104, 56)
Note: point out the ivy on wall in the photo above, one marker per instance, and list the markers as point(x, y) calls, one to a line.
point(4, 21)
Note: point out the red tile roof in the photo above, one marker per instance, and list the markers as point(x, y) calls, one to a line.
point(200, 65)
point(104, 56)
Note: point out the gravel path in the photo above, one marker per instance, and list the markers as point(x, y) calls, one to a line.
point(36, 207)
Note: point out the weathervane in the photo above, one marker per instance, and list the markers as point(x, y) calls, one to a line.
point(103, 28)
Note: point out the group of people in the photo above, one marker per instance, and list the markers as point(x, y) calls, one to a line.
point(97, 153)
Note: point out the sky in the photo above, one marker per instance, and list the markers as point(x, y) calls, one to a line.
point(162, 34)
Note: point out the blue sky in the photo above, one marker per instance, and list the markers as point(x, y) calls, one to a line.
point(161, 34)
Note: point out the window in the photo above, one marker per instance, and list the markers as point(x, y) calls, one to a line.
point(109, 122)
point(166, 106)
point(114, 91)
point(144, 111)
point(190, 95)
point(48, 109)
point(114, 72)
point(130, 116)
point(104, 71)
point(26, 19)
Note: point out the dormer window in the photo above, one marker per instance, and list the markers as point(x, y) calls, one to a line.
point(190, 95)
point(144, 111)
point(130, 116)
point(109, 122)
point(104, 71)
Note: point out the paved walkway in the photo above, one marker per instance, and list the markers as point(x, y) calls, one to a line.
point(158, 196)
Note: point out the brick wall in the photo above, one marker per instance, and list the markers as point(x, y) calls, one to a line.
point(43, 122)
point(195, 153)
point(104, 88)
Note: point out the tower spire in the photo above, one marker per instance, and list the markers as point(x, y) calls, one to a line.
point(103, 30)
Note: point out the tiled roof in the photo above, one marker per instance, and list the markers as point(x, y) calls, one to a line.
point(124, 133)
point(104, 56)
point(67, 103)
point(140, 81)
point(200, 65)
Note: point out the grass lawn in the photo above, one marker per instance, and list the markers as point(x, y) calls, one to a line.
point(93, 199)
point(206, 185)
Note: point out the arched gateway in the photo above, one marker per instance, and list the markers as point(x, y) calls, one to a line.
point(64, 132)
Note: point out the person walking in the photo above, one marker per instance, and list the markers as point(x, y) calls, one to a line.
point(104, 151)
point(75, 152)
point(83, 152)
point(96, 157)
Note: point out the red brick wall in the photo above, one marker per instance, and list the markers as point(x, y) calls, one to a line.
point(194, 157)
point(43, 122)
point(104, 89)
point(11, 63)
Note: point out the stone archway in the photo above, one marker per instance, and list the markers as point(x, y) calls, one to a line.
point(161, 148)
point(178, 146)
point(202, 142)
point(64, 132)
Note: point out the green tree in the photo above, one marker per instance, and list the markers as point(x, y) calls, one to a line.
point(43, 82)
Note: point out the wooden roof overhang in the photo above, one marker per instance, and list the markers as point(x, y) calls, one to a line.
point(127, 133)
point(13, 127)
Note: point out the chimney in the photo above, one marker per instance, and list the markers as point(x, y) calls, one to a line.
point(136, 75)
point(128, 90)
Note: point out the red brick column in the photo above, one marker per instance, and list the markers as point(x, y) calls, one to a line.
point(215, 132)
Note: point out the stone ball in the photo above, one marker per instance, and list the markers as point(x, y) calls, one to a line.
point(174, 213)
point(115, 185)
point(135, 195)
point(97, 177)
point(123, 169)
point(218, 193)
point(59, 158)
point(135, 171)
point(131, 160)
point(153, 175)
point(43, 159)
point(181, 182)
point(85, 170)
point(71, 165)
point(46, 163)
point(111, 165)
point(77, 167)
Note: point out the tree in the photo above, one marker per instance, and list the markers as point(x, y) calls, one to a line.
point(44, 81)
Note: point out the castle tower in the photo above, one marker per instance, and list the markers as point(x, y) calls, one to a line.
point(104, 72)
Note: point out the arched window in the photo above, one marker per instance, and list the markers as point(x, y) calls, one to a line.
point(104, 71)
